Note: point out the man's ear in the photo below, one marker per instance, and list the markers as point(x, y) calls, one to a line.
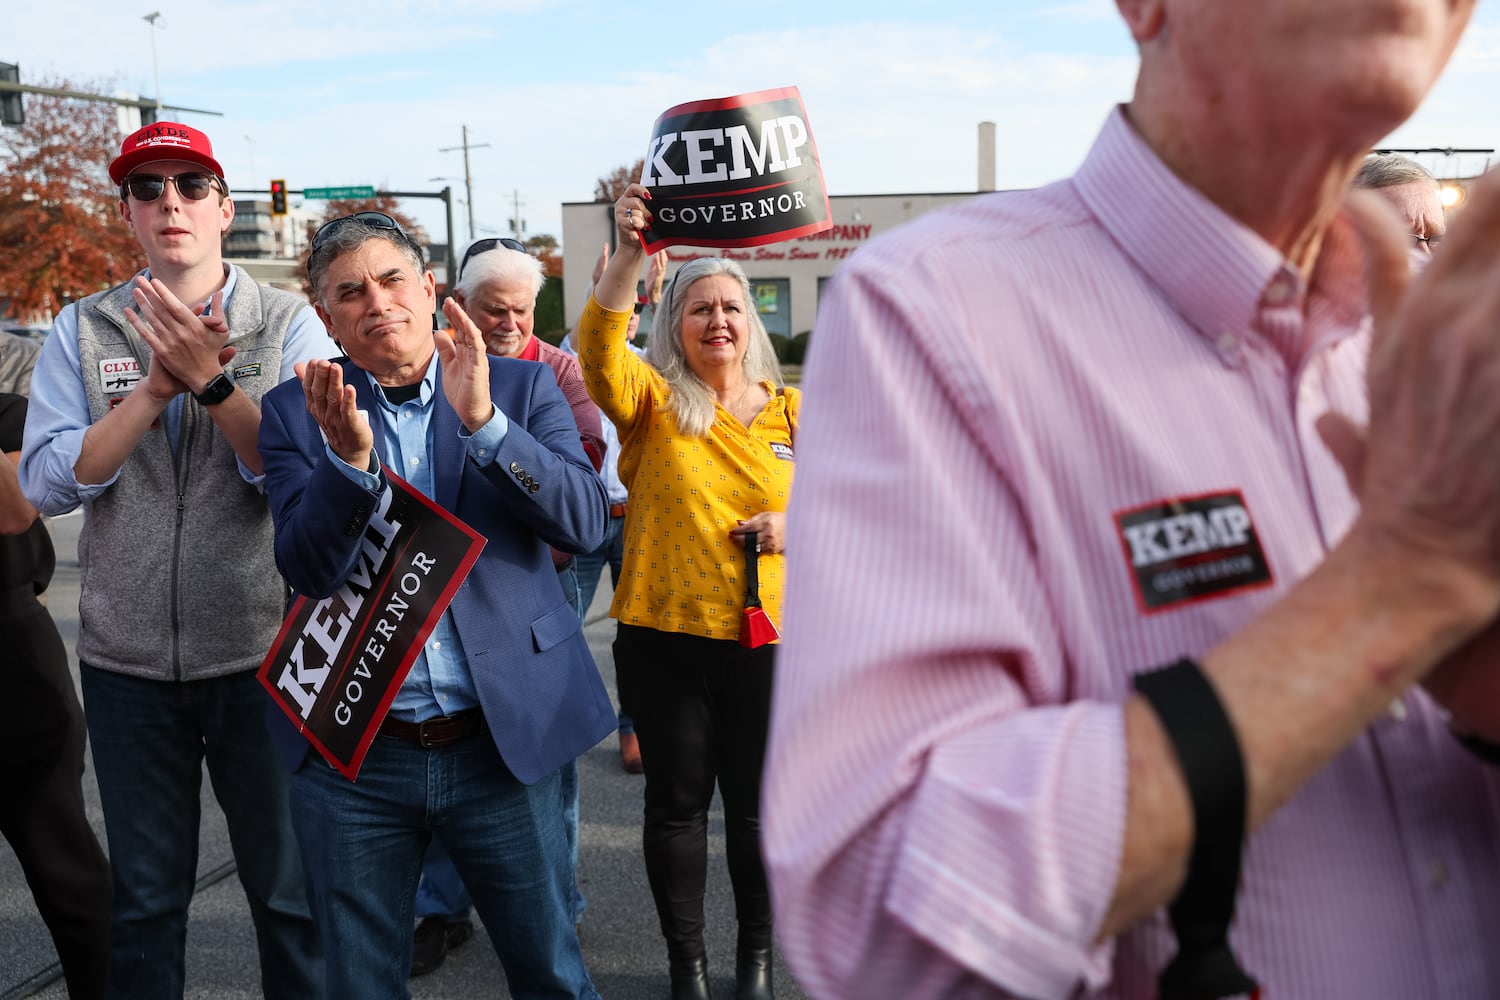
point(327, 319)
point(458, 296)
point(226, 211)
point(1145, 19)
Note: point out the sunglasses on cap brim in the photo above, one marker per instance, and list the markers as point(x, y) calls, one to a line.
point(194, 185)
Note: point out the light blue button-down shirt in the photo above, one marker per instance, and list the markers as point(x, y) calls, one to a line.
point(439, 682)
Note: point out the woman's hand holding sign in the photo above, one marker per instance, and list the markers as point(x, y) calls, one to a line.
point(615, 289)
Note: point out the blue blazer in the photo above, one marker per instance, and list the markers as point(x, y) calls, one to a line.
point(537, 682)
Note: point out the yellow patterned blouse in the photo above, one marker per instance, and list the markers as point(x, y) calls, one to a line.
point(683, 571)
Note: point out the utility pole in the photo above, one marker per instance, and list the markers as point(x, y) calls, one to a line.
point(517, 224)
point(468, 183)
point(152, 19)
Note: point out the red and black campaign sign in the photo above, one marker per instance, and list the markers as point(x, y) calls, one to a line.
point(734, 172)
point(337, 663)
point(1190, 549)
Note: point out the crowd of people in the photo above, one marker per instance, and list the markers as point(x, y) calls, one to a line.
point(1139, 588)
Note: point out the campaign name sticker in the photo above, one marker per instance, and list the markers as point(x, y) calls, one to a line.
point(1192, 549)
point(119, 374)
point(737, 171)
point(246, 371)
point(782, 451)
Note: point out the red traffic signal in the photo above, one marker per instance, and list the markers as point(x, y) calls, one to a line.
point(278, 197)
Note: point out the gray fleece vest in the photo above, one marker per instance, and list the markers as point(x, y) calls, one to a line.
point(178, 578)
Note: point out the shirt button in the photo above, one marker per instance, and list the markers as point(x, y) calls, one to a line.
point(1398, 710)
point(443, 698)
point(1279, 291)
point(483, 452)
point(416, 461)
point(437, 644)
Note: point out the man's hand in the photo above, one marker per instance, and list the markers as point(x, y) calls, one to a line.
point(1427, 471)
point(466, 369)
point(601, 263)
point(332, 405)
point(656, 276)
point(186, 343)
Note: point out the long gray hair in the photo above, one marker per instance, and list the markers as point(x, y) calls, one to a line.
point(692, 401)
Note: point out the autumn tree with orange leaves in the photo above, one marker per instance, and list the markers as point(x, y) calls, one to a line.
point(613, 184)
point(61, 237)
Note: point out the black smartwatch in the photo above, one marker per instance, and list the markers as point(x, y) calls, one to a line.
point(216, 391)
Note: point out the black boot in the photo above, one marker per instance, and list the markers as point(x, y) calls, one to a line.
point(752, 975)
point(690, 979)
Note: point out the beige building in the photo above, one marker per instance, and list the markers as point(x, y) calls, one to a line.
point(785, 278)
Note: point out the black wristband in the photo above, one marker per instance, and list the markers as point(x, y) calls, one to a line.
point(1481, 748)
point(1203, 738)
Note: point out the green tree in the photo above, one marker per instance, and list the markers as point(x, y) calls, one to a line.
point(61, 236)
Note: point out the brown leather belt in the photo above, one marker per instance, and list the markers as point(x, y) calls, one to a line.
point(437, 732)
point(618, 509)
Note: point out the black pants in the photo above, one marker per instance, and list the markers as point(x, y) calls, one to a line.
point(41, 794)
point(701, 710)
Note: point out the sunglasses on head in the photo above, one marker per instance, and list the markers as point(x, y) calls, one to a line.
point(194, 185)
point(487, 244)
point(375, 220)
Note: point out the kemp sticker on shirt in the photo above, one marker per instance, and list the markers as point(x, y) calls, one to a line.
point(1192, 549)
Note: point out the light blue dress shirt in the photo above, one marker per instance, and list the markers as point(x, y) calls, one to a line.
point(439, 682)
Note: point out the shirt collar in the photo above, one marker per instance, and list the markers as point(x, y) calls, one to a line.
point(533, 349)
point(231, 278)
point(424, 396)
point(1213, 270)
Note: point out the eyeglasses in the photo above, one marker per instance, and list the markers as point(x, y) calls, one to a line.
point(375, 220)
point(489, 243)
point(193, 186)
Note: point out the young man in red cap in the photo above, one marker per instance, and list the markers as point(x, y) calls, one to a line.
point(145, 411)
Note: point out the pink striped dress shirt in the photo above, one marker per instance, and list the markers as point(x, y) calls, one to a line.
point(1008, 404)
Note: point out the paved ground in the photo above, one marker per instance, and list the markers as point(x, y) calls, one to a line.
point(620, 938)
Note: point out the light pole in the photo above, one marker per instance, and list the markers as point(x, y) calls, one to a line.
point(468, 185)
point(154, 19)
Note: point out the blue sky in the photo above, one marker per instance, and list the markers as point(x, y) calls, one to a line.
point(338, 92)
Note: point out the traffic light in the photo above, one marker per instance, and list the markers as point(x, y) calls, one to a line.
point(11, 110)
point(278, 197)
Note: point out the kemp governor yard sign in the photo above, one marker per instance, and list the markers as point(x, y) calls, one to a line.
point(338, 662)
point(734, 172)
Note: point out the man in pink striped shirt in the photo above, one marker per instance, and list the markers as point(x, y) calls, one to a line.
point(1058, 439)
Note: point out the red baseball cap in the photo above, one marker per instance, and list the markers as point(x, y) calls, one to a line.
point(164, 141)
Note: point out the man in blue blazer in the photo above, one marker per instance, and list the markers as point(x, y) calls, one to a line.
point(504, 692)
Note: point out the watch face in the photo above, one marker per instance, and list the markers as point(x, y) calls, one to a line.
point(216, 391)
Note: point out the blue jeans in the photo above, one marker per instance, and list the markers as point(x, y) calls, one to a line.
point(150, 740)
point(441, 892)
point(363, 843)
point(589, 566)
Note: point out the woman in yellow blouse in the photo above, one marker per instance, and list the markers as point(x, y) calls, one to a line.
point(706, 450)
